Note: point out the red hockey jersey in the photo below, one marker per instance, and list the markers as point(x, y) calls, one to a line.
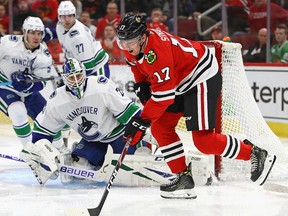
point(173, 66)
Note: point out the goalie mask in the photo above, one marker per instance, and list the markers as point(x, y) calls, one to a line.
point(74, 77)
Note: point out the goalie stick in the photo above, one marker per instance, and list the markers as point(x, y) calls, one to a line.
point(99, 175)
point(96, 211)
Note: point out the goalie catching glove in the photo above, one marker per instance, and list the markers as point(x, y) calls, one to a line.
point(41, 157)
point(135, 129)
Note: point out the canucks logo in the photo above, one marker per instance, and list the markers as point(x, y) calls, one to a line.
point(151, 57)
point(88, 129)
point(73, 33)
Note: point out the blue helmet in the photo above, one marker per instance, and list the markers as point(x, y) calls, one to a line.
point(74, 76)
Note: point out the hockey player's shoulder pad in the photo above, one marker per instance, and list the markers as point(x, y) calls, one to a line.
point(52, 95)
point(87, 29)
point(44, 57)
point(13, 38)
point(10, 40)
point(73, 33)
point(102, 79)
point(46, 52)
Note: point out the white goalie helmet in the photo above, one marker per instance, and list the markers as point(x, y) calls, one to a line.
point(74, 76)
point(33, 24)
point(66, 8)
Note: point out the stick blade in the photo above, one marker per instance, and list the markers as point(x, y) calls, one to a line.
point(76, 212)
point(269, 186)
point(82, 212)
point(94, 211)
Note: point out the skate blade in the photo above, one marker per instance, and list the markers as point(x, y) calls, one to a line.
point(269, 163)
point(179, 194)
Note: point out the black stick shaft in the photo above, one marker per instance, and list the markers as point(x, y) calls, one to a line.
point(38, 80)
point(96, 211)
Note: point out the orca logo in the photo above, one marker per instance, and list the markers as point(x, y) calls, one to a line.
point(88, 129)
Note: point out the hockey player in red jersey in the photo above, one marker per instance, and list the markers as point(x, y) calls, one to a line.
point(177, 77)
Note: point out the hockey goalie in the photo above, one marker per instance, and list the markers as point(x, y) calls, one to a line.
point(98, 111)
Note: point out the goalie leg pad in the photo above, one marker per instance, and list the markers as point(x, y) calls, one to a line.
point(106, 167)
point(200, 167)
point(148, 137)
point(94, 152)
point(81, 159)
point(41, 158)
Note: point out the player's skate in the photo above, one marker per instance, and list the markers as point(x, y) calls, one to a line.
point(182, 187)
point(261, 163)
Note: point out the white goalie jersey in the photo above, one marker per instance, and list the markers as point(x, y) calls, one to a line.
point(79, 43)
point(100, 115)
point(14, 57)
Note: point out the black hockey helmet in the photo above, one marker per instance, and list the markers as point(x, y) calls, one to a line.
point(131, 26)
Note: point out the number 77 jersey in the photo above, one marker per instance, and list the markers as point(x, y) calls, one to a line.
point(172, 65)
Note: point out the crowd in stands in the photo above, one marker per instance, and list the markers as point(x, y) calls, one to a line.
point(257, 52)
point(247, 22)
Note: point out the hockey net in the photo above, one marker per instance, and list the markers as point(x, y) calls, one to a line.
point(238, 115)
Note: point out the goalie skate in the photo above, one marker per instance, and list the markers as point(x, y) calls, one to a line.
point(182, 187)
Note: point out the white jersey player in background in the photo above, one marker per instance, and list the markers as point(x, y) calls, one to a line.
point(23, 57)
point(77, 41)
point(94, 108)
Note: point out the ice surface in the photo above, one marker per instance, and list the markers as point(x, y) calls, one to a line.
point(20, 195)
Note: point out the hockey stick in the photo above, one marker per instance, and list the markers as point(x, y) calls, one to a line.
point(39, 79)
point(54, 82)
point(5, 83)
point(57, 69)
point(98, 175)
point(274, 187)
point(96, 211)
point(32, 81)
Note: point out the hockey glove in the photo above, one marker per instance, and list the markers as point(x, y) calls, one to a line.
point(143, 92)
point(59, 83)
point(20, 82)
point(50, 34)
point(135, 129)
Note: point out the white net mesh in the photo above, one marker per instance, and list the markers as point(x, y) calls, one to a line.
point(240, 114)
point(242, 118)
